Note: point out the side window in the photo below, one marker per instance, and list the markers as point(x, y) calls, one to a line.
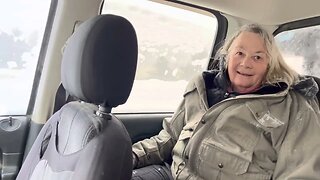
point(21, 31)
point(174, 45)
point(301, 49)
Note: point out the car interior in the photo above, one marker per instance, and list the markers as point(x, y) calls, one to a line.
point(131, 68)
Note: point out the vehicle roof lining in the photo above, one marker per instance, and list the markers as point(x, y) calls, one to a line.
point(272, 12)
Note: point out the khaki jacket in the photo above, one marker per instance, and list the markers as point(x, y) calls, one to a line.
point(273, 136)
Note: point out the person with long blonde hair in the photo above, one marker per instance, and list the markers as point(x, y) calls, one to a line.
point(253, 118)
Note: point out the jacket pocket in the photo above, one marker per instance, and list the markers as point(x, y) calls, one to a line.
point(214, 160)
point(216, 163)
point(262, 114)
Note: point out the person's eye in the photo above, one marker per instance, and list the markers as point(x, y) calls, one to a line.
point(257, 57)
point(239, 53)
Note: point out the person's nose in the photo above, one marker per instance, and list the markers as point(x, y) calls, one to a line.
point(246, 62)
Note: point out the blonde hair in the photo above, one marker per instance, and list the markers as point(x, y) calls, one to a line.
point(278, 70)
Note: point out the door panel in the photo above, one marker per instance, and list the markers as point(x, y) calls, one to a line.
point(141, 126)
point(13, 133)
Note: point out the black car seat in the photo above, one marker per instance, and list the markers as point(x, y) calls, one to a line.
point(83, 140)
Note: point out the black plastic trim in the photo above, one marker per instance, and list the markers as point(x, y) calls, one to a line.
point(141, 126)
point(101, 6)
point(33, 129)
point(12, 144)
point(297, 24)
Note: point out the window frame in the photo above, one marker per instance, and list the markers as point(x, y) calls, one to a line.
point(221, 33)
point(296, 25)
point(42, 55)
point(314, 21)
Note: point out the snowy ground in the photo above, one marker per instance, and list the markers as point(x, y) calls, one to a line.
point(147, 95)
point(15, 90)
point(154, 96)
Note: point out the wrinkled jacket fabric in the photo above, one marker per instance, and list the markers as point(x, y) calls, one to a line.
point(270, 136)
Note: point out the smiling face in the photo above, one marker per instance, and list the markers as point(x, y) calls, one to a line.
point(247, 62)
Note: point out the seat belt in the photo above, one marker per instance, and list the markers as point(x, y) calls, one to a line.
point(61, 98)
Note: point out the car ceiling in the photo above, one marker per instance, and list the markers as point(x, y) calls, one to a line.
point(267, 12)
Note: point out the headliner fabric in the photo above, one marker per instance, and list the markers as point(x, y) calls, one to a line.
point(99, 61)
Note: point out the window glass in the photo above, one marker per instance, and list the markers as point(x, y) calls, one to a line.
point(22, 26)
point(301, 49)
point(174, 45)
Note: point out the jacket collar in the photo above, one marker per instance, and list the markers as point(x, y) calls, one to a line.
point(222, 81)
point(306, 85)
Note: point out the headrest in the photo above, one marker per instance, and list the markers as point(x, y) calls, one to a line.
point(99, 61)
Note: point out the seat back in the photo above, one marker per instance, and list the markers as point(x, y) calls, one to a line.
point(84, 140)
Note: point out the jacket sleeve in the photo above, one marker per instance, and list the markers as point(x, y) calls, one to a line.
point(299, 155)
point(157, 149)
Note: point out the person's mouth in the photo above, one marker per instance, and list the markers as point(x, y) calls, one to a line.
point(244, 74)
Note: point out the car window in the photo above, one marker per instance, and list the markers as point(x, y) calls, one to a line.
point(174, 44)
point(301, 49)
point(21, 31)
